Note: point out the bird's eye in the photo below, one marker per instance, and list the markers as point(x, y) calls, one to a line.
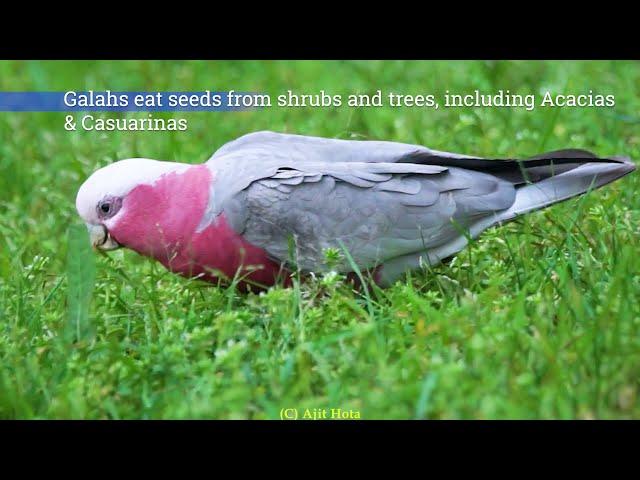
point(108, 206)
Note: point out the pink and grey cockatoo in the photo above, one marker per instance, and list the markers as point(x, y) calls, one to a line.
point(267, 201)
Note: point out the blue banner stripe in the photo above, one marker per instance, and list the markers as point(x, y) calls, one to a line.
point(107, 101)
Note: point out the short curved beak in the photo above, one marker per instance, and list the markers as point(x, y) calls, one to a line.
point(100, 237)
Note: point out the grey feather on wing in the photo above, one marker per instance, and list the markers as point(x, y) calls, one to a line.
point(386, 215)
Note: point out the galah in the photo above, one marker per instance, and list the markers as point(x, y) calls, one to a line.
point(267, 202)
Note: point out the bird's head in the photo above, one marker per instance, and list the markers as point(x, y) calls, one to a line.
point(146, 205)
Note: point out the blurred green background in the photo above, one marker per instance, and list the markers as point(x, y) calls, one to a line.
point(538, 319)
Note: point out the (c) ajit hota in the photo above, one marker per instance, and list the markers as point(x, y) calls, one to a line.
point(330, 414)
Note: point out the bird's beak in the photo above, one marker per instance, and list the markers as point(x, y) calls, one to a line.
point(100, 237)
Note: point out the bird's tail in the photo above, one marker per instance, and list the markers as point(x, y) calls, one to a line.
point(557, 176)
point(542, 180)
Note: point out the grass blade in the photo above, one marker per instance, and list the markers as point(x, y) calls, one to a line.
point(81, 271)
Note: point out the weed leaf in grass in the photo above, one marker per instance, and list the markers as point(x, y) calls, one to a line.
point(81, 273)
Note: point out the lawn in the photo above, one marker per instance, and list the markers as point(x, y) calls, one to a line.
point(537, 319)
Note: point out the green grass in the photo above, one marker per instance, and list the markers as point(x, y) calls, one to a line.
point(538, 319)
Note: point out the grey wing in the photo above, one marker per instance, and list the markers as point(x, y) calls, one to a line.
point(377, 212)
point(260, 155)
